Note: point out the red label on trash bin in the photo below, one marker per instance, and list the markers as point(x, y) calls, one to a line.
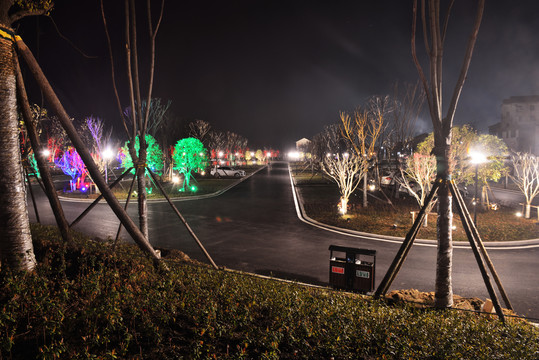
point(337, 270)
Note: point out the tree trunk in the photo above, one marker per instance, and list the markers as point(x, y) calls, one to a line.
point(443, 296)
point(527, 212)
point(141, 183)
point(16, 249)
point(365, 201)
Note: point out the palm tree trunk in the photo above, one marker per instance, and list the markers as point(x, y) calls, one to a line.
point(16, 249)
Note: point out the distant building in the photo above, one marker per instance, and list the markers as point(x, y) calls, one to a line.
point(303, 145)
point(519, 125)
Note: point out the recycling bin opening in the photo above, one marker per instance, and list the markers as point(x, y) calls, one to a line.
point(352, 269)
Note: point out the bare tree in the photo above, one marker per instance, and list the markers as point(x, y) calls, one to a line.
point(329, 140)
point(407, 103)
point(421, 170)
point(434, 34)
point(157, 114)
point(526, 176)
point(362, 132)
point(216, 141)
point(200, 129)
point(140, 118)
point(343, 169)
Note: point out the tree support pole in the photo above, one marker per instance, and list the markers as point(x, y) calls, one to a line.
point(46, 176)
point(85, 155)
point(395, 266)
point(126, 205)
point(485, 255)
point(96, 201)
point(474, 241)
point(182, 219)
point(31, 193)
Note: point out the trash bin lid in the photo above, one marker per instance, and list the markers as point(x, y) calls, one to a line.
point(352, 250)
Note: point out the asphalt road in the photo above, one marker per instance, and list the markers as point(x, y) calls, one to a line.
point(254, 227)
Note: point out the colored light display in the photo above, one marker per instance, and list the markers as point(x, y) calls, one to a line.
point(154, 155)
point(71, 164)
point(189, 156)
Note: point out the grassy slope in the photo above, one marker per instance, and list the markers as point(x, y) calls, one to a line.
point(119, 305)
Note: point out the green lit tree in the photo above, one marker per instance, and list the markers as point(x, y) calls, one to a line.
point(189, 156)
point(154, 155)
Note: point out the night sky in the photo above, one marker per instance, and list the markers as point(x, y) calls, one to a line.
point(276, 71)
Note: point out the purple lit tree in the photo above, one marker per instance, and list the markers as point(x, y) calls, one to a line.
point(71, 164)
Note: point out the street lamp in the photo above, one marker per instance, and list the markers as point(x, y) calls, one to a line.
point(107, 155)
point(476, 158)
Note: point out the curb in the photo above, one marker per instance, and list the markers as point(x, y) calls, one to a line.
point(198, 197)
point(494, 245)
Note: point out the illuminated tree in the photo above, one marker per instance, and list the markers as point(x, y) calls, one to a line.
point(421, 170)
point(154, 155)
point(362, 131)
point(259, 155)
point(526, 176)
point(343, 170)
point(98, 140)
point(463, 140)
point(189, 156)
point(34, 169)
point(71, 164)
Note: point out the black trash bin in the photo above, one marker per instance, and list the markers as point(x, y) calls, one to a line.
point(352, 269)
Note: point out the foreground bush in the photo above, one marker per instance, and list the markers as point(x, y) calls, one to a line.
point(105, 304)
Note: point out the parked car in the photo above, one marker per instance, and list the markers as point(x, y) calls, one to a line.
point(387, 178)
point(225, 171)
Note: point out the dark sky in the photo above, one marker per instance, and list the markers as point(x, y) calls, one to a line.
point(276, 71)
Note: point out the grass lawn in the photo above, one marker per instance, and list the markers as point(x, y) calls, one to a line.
point(321, 197)
point(102, 303)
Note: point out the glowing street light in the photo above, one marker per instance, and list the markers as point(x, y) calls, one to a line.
point(107, 155)
point(294, 155)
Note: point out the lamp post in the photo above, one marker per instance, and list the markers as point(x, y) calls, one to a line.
point(476, 159)
point(107, 155)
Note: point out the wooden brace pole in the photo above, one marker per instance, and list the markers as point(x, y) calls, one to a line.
point(85, 155)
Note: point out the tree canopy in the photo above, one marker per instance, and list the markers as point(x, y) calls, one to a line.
point(465, 140)
point(154, 158)
point(189, 155)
